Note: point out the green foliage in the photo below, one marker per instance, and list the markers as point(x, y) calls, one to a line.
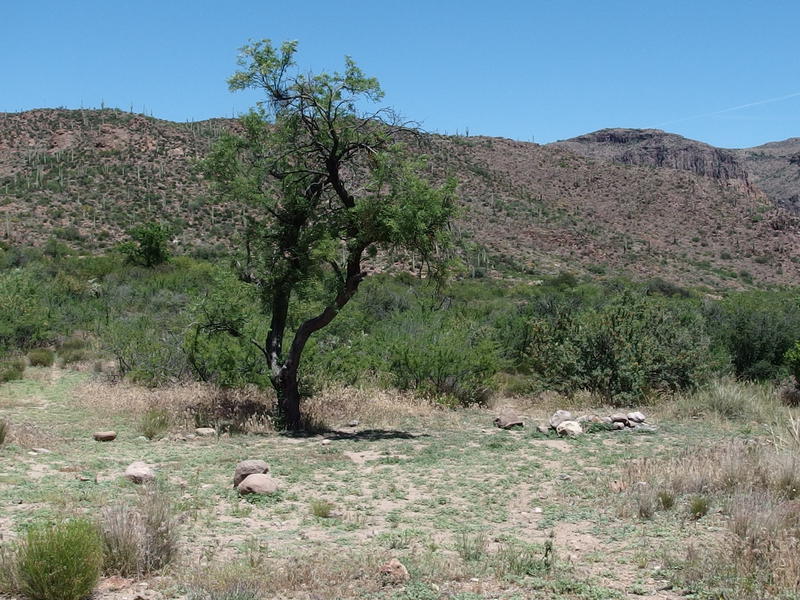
point(61, 561)
point(449, 358)
point(41, 357)
point(622, 350)
point(328, 186)
point(792, 358)
point(148, 246)
point(756, 329)
point(24, 318)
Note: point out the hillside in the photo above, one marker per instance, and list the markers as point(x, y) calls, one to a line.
point(775, 169)
point(85, 176)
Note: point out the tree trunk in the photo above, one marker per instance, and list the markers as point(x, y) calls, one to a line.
point(289, 400)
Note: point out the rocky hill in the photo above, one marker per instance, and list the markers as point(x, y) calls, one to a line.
point(686, 212)
point(775, 169)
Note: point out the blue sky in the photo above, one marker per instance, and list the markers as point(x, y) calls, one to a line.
point(724, 72)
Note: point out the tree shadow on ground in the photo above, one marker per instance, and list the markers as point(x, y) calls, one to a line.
point(364, 435)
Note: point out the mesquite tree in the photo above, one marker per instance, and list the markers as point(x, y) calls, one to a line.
point(327, 184)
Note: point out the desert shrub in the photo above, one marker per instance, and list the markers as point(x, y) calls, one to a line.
point(622, 350)
point(23, 312)
point(524, 560)
point(148, 246)
point(11, 369)
point(3, 431)
point(321, 508)
point(147, 347)
point(59, 561)
point(756, 329)
point(792, 358)
point(448, 358)
point(41, 357)
point(154, 423)
point(139, 539)
point(73, 349)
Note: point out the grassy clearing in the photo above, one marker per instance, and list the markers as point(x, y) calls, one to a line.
point(472, 511)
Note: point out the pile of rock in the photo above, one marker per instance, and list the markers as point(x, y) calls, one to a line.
point(251, 477)
point(565, 424)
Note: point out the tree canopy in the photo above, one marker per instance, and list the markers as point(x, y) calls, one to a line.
point(328, 181)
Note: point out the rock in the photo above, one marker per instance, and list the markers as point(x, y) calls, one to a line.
point(205, 431)
point(258, 483)
point(560, 416)
point(569, 428)
point(41, 451)
point(353, 423)
point(537, 509)
point(618, 425)
point(249, 467)
point(325, 442)
point(139, 472)
point(636, 417)
point(508, 421)
point(542, 428)
point(394, 572)
point(619, 418)
point(105, 436)
point(606, 420)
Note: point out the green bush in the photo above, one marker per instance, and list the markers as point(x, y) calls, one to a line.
point(11, 369)
point(41, 357)
point(756, 329)
point(453, 359)
point(792, 359)
point(148, 246)
point(622, 350)
point(59, 561)
point(23, 311)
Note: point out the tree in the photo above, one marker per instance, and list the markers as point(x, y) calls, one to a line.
point(327, 184)
point(148, 247)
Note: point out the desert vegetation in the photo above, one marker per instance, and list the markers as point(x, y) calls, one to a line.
point(350, 401)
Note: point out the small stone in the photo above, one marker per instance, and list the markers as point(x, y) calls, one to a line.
point(142, 438)
point(508, 421)
point(41, 451)
point(394, 572)
point(139, 472)
point(537, 509)
point(636, 417)
point(105, 436)
point(258, 483)
point(569, 428)
point(542, 428)
point(564, 477)
point(353, 423)
point(618, 425)
point(249, 467)
point(559, 416)
point(606, 420)
point(205, 431)
point(325, 442)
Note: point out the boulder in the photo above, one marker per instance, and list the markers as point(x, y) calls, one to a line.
point(619, 418)
point(139, 472)
point(542, 428)
point(249, 467)
point(559, 416)
point(618, 425)
point(394, 572)
point(104, 436)
point(636, 417)
point(205, 431)
point(258, 483)
point(569, 428)
point(508, 421)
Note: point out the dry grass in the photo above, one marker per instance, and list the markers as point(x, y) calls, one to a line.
point(139, 539)
point(728, 400)
point(338, 405)
point(755, 485)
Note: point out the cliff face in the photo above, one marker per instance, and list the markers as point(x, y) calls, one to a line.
point(656, 148)
point(775, 169)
